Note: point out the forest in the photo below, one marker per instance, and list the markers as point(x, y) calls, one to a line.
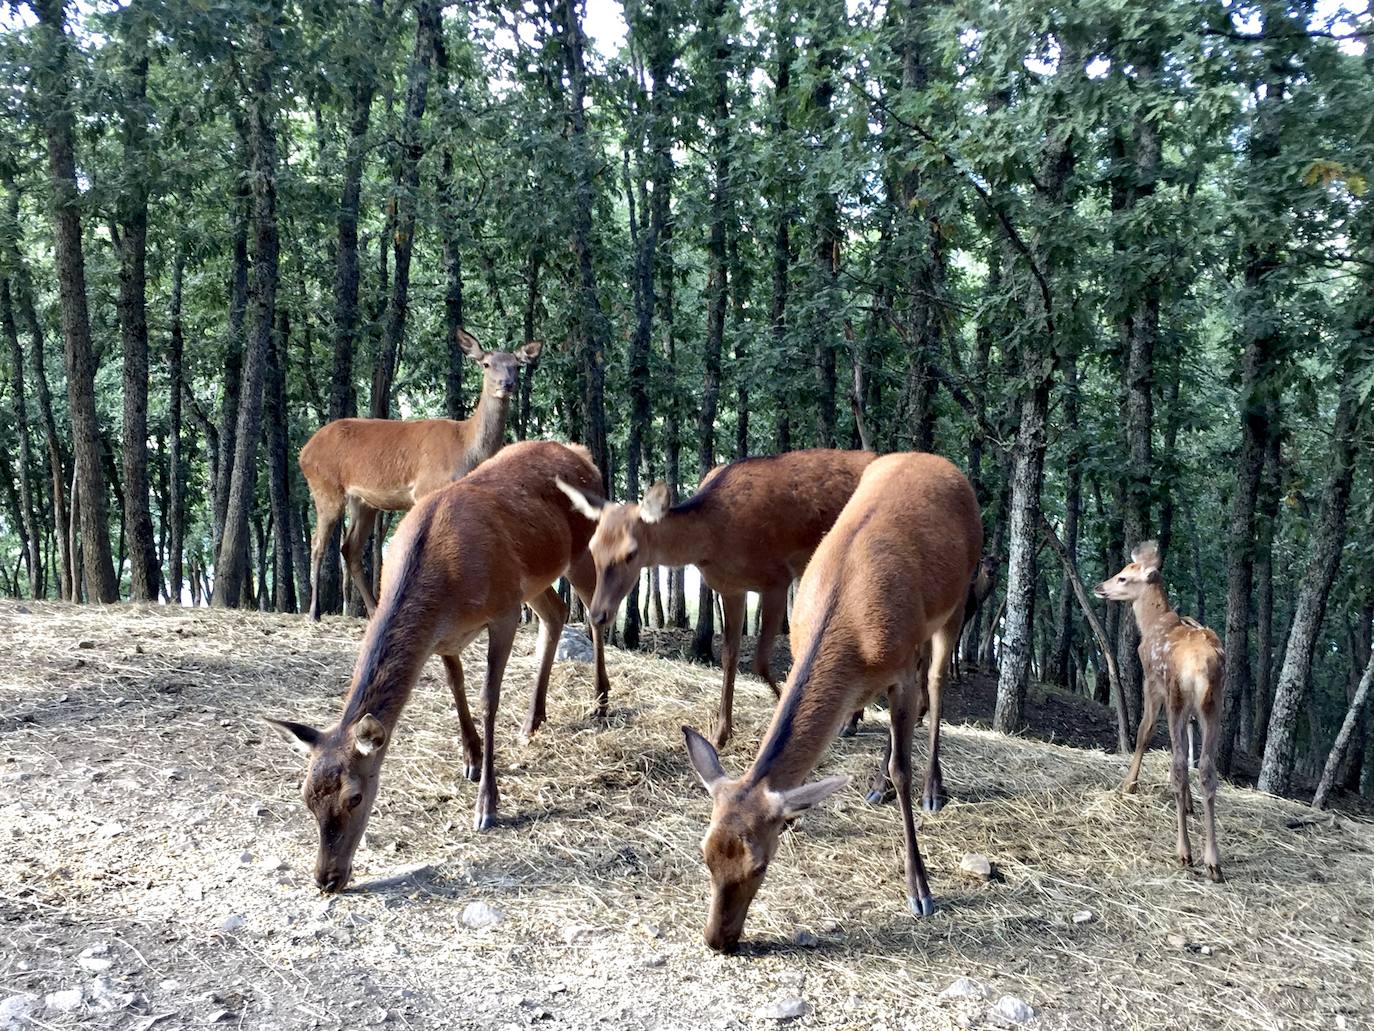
point(1115, 260)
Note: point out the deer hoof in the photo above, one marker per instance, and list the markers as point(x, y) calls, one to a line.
point(473, 771)
point(934, 801)
point(1185, 859)
point(921, 907)
point(880, 794)
point(482, 822)
point(1214, 872)
point(723, 737)
point(1128, 787)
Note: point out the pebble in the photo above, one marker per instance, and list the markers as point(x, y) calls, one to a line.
point(174, 773)
point(477, 915)
point(64, 1001)
point(246, 858)
point(96, 959)
point(85, 644)
point(1083, 916)
point(169, 985)
point(111, 830)
point(653, 962)
point(976, 866)
point(14, 1010)
point(964, 988)
point(1012, 1010)
point(233, 922)
point(805, 940)
point(784, 1009)
point(574, 644)
point(193, 891)
point(272, 864)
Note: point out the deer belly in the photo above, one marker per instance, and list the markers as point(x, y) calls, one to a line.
point(393, 499)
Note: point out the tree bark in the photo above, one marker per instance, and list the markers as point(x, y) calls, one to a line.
point(453, 294)
point(28, 521)
point(176, 487)
point(1359, 707)
point(826, 227)
point(56, 85)
point(278, 471)
point(232, 570)
point(1255, 717)
point(781, 198)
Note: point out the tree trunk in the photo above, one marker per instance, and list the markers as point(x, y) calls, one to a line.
point(55, 76)
point(132, 243)
point(781, 198)
point(176, 487)
point(1255, 717)
point(1073, 501)
point(1328, 540)
point(278, 472)
point(28, 522)
point(826, 228)
point(717, 287)
point(453, 293)
point(1359, 707)
point(232, 570)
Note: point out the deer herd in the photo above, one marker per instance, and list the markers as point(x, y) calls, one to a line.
point(886, 554)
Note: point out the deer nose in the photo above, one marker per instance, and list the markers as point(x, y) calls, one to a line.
point(719, 941)
point(601, 616)
point(331, 881)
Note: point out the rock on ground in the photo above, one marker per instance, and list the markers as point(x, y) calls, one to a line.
point(574, 644)
point(784, 1009)
point(1009, 1009)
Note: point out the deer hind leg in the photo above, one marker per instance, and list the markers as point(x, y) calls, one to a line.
point(361, 519)
point(942, 647)
point(1146, 730)
point(472, 744)
point(327, 512)
point(904, 702)
point(772, 607)
point(552, 615)
point(582, 575)
point(1178, 726)
point(735, 608)
point(500, 638)
point(1207, 774)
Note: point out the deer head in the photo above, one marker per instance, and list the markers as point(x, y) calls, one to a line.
point(340, 787)
point(618, 545)
point(500, 370)
point(1129, 584)
point(746, 820)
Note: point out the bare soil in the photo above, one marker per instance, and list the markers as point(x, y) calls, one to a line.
point(155, 861)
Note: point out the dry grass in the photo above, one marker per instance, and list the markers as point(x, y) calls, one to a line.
point(595, 863)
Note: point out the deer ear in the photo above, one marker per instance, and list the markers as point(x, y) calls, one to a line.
point(583, 503)
point(704, 758)
point(526, 353)
point(1153, 576)
point(368, 735)
point(1146, 554)
point(469, 345)
point(798, 800)
point(655, 504)
point(299, 736)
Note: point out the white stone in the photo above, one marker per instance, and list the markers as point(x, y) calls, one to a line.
point(66, 1000)
point(1083, 916)
point(574, 644)
point(14, 1010)
point(964, 988)
point(976, 866)
point(789, 1008)
point(477, 915)
point(96, 959)
point(1012, 1010)
point(233, 922)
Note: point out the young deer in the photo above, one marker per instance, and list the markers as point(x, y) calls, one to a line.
point(983, 583)
point(1184, 667)
point(752, 526)
point(877, 610)
point(464, 560)
point(386, 465)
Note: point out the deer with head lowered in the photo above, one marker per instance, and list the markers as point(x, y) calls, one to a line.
point(387, 465)
point(877, 611)
point(1184, 666)
point(984, 582)
point(752, 526)
point(463, 560)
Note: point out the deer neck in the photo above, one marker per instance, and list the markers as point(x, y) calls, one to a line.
point(1152, 610)
point(815, 704)
point(678, 539)
point(488, 428)
point(389, 663)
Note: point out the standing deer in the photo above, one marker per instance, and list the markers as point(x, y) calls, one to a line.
point(877, 610)
point(983, 583)
point(387, 465)
point(1184, 667)
point(465, 559)
point(752, 526)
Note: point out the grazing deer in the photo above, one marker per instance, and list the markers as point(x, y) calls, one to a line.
point(752, 526)
point(983, 583)
point(877, 610)
point(1184, 667)
point(464, 560)
point(387, 465)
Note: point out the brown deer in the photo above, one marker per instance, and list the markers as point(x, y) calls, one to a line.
point(1184, 667)
point(386, 465)
point(877, 610)
point(751, 526)
point(464, 560)
point(984, 582)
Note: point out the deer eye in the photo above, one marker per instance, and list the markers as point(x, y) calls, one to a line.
point(355, 800)
point(631, 555)
point(1121, 579)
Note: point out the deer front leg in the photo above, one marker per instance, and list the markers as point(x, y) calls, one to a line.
point(500, 638)
point(1178, 726)
point(552, 614)
point(1144, 732)
point(361, 519)
point(773, 604)
point(735, 606)
point(472, 744)
point(582, 575)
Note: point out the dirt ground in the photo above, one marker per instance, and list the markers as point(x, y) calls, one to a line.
point(155, 863)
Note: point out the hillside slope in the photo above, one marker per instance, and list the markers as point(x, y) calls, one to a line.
point(147, 815)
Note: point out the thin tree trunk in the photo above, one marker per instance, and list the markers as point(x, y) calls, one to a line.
point(232, 569)
point(453, 293)
point(176, 488)
point(278, 472)
point(55, 75)
point(1256, 716)
point(824, 337)
point(782, 214)
point(28, 521)
point(1359, 707)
